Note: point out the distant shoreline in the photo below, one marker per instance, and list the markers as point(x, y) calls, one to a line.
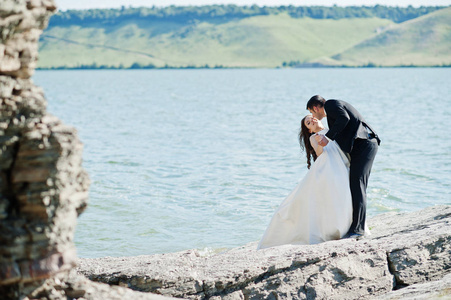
point(222, 67)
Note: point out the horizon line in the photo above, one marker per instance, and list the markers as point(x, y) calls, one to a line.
point(239, 5)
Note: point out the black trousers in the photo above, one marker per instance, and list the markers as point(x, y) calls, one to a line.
point(362, 156)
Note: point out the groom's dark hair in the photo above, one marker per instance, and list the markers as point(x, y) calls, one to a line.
point(316, 100)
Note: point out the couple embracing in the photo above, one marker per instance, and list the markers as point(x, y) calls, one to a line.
point(330, 201)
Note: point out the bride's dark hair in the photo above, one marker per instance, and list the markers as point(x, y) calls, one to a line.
point(304, 141)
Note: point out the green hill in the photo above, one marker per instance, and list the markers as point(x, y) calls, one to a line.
point(259, 41)
point(231, 37)
point(423, 41)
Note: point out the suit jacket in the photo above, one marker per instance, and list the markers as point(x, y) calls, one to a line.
point(346, 124)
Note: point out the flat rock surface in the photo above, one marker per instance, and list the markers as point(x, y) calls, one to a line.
point(403, 249)
point(440, 289)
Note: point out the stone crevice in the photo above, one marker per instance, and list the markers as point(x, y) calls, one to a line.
point(229, 289)
point(397, 283)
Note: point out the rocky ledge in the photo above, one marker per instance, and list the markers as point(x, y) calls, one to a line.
point(408, 255)
point(70, 285)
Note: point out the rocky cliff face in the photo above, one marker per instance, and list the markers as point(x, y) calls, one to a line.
point(43, 187)
point(406, 256)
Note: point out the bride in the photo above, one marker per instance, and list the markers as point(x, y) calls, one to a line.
point(319, 209)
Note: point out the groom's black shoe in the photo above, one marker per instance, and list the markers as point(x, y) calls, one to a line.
point(353, 235)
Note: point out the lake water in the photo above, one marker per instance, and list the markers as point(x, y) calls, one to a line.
point(183, 159)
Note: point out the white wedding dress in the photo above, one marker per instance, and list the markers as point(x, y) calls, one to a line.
point(319, 209)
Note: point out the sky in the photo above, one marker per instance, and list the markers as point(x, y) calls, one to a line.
point(85, 4)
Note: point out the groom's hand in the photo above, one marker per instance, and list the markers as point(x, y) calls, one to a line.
point(321, 139)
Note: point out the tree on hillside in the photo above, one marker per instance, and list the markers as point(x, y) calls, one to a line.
point(186, 14)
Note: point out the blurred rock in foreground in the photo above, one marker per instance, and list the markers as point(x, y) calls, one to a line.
point(408, 255)
point(43, 187)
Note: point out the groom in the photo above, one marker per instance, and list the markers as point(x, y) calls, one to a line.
point(359, 141)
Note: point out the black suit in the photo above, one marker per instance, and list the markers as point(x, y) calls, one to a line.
point(355, 137)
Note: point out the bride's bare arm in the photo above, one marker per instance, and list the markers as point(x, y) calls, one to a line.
point(318, 149)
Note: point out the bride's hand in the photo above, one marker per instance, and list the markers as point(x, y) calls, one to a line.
point(317, 137)
point(321, 139)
